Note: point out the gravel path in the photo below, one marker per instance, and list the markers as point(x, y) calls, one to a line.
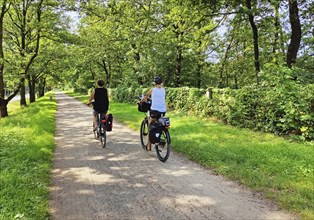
point(122, 181)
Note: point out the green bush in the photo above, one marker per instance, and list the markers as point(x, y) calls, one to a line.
point(128, 95)
point(307, 115)
point(284, 108)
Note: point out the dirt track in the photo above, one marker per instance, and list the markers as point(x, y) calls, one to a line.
point(123, 181)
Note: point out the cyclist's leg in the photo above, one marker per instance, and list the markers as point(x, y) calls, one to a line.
point(95, 124)
point(149, 145)
point(150, 120)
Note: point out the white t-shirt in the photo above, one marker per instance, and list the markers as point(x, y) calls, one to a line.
point(159, 99)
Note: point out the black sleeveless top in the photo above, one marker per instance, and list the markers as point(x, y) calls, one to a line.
point(101, 102)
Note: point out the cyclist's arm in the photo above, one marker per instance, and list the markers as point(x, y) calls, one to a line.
point(91, 98)
point(148, 94)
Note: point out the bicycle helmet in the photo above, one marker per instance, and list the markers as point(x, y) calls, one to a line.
point(158, 80)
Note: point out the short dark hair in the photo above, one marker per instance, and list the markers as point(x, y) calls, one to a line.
point(100, 82)
point(158, 80)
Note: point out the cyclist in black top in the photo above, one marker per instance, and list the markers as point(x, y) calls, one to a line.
point(101, 101)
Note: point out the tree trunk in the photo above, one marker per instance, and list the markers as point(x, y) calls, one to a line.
point(296, 32)
point(22, 92)
point(104, 66)
point(276, 44)
point(4, 104)
point(31, 80)
point(236, 85)
point(3, 108)
point(255, 40)
point(32, 93)
point(199, 67)
point(41, 88)
point(3, 11)
point(107, 74)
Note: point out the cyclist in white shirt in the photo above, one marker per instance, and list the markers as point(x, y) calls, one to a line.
point(158, 98)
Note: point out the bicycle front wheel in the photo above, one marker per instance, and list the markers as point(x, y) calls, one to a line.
point(103, 135)
point(163, 147)
point(144, 134)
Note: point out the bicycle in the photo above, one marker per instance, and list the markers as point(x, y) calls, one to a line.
point(162, 141)
point(101, 129)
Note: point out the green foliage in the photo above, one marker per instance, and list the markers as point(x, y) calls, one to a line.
point(281, 105)
point(129, 95)
point(307, 114)
point(283, 108)
point(26, 148)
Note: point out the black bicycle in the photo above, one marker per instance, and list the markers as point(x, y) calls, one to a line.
point(157, 133)
point(101, 128)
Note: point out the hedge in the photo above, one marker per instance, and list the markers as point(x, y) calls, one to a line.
point(287, 109)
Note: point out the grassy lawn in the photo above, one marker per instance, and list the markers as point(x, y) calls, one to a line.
point(279, 168)
point(26, 147)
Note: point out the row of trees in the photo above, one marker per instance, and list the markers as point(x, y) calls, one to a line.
point(31, 40)
point(196, 43)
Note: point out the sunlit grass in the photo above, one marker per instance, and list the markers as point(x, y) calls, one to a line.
point(26, 148)
point(14, 106)
point(279, 168)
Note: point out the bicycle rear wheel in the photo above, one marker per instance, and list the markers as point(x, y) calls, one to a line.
point(103, 135)
point(163, 147)
point(144, 133)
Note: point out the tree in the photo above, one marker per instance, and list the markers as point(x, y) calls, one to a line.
point(255, 39)
point(128, 42)
point(4, 102)
point(25, 33)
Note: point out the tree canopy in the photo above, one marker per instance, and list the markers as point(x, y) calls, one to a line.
point(199, 43)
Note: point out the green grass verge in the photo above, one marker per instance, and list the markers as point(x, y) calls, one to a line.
point(26, 148)
point(279, 168)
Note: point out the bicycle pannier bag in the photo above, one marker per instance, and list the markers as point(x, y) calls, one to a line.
point(154, 133)
point(164, 121)
point(109, 122)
